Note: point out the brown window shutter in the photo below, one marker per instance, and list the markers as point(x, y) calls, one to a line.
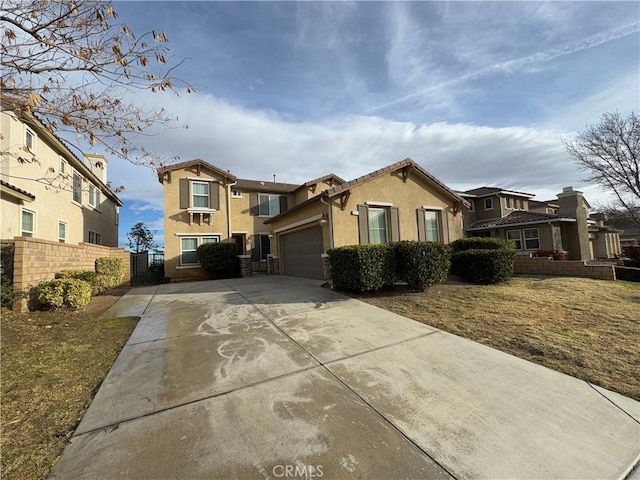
point(395, 224)
point(363, 224)
point(253, 202)
point(444, 226)
point(184, 193)
point(214, 195)
point(283, 204)
point(422, 231)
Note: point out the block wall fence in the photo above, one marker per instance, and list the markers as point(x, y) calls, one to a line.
point(527, 265)
point(35, 260)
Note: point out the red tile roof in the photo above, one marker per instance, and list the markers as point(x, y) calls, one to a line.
point(517, 218)
point(265, 186)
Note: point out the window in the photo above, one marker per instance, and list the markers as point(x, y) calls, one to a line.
point(508, 202)
point(92, 195)
point(77, 188)
point(236, 193)
point(516, 236)
point(472, 206)
point(200, 194)
point(95, 238)
point(378, 225)
point(63, 166)
point(210, 240)
point(117, 215)
point(188, 247)
point(431, 226)
point(531, 239)
point(98, 200)
point(261, 247)
point(29, 140)
point(488, 203)
point(62, 232)
point(268, 205)
point(28, 223)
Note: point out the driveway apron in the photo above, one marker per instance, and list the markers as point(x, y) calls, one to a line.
point(278, 377)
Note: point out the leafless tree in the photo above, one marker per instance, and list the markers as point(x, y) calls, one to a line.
point(73, 66)
point(609, 152)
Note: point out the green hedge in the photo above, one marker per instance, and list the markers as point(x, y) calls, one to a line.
point(484, 266)
point(481, 243)
point(362, 268)
point(84, 275)
point(422, 264)
point(62, 292)
point(6, 282)
point(629, 274)
point(108, 274)
point(219, 259)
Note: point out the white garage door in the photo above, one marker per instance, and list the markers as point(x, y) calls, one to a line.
point(301, 253)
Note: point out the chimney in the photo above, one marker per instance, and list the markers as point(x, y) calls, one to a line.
point(274, 178)
point(98, 165)
point(575, 235)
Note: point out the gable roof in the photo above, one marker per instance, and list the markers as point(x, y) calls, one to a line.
point(520, 217)
point(546, 203)
point(265, 186)
point(329, 176)
point(488, 191)
point(193, 163)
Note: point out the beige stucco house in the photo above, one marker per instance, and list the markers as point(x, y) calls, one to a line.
point(49, 193)
point(298, 223)
point(561, 224)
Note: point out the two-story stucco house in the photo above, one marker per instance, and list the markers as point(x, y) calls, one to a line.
point(298, 223)
point(48, 192)
point(551, 225)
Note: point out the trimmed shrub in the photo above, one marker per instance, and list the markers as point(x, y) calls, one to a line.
point(484, 266)
point(481, 243)
point(219, 259)
point(67, 292)
point(84, 275)
point(627, 273)
point(422, 264)
point(633, 253)
point(558, 255)
point(6, 282)
point(100, 283)
point(6, 293)
point(111, 267)
point(362, 268)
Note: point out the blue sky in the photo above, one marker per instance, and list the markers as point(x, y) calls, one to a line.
point(478, 93)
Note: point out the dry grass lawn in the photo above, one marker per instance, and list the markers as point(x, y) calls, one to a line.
point(586, 328)
point(52, 365)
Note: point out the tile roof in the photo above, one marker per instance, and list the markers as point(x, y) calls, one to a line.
point(265, 186)
point(484, 191)
point(546, 203)
point(516, 218)
point(191, 163)
point(323, 178)
point(18, 190)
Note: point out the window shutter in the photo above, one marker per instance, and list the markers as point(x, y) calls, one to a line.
point(422, 232)
point(255, 248)
point(395, 224)
point(214, 195)
point(283, 204)
point(253, 202)
point(184, 193)
point(363, 224)
point(444, 222)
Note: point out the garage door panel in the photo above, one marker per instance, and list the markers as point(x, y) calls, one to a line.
point(301, 253)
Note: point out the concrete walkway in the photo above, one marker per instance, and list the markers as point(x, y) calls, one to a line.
point(276, 377)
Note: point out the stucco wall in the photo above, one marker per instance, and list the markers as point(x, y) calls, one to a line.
point(37, 259)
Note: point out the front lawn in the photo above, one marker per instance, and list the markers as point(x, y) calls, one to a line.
point(52, 365)
point(586, 328)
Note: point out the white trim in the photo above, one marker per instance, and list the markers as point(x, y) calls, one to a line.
point(200, 179)
point(34, 226)
point(484, 203)
point(233, 232)
point(299, 223)
point(439, 209)
point(379, 204)
point(66, 230)
point(186, 267)
point(198, 234)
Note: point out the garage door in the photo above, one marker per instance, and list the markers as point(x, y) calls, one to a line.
point(301, 253)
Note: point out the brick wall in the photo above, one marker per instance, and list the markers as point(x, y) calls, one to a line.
point(36, 260)
point(546, 266)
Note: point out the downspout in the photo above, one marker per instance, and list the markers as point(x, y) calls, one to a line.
point(330, 218)
point(229, 185)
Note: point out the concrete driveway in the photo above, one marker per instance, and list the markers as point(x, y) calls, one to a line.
point(276, 377)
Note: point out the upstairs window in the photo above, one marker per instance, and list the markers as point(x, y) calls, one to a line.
point(378, 225)
point(268, 205)
point(30, 140)
point(508, 202)
point(200, 194)
point(236, 193)
point(117, 215)
point(472, 206)
point(92, 195)
point(77, 188)
point(63, 166)
point(28, 223)
point(488, 203)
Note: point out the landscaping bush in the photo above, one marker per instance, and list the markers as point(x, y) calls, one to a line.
point(67, 292)
point(84, 275)
point(422, 264)
point(219, 259)
point(113, 268)
point(6, 282)
point(99, 282)
point(558, 255)
point(362, 268)
point(627, 273)
point(633, 253)
point(481, 243)
point(484, 266)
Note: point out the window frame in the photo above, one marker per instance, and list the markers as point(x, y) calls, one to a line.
point(92, 195)
point(507, 203)
point(200, 195)
point(63, 166)
point(270, 198)
point(97, 237)
point(235, 193)
point(530, 239)
point(438, 220)
point(516, 240)
point(63, 238)
point(30, 138)
point(75, 175)
point(385, 211)
point(490, 200)
point(472, 207)
point(31, 233)
point(116, 217)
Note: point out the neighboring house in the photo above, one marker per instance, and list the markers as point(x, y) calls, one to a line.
point(560, 224)
point(48, 192)
point(298, 223)
point(630, 237)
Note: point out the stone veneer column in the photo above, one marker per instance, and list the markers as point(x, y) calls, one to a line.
point(245, 265)
point(273, 264)
point(326, 268)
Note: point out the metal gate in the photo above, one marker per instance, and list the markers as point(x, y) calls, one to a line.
point(147, 268)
